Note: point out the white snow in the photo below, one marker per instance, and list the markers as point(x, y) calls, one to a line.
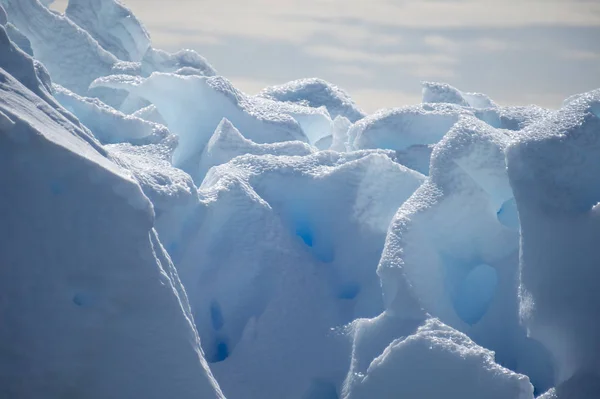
point(113, 26)
point(553, 172)
point(107, 124)
point(316, 93)
point(193, 106)
point(91, 304)
point(435, 362)
point(439, 250)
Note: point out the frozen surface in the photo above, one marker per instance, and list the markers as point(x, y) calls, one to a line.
point(454, 247)
point(107, 124)
point(401, 128)
point(227, 143)
point(316, 93)
point(193, 106)
point(439, 250)
point(92, 306)
point(113, 25)
point(71, 55)
point(435, 362)
point(434, 92)
point(553, 172)
point(302, 236)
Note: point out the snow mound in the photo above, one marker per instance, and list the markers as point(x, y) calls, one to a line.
point(106, 313)
point(107, 124)
point(315, 93)
point(434, 92)
point(289, 246)
point(436, 362)
point(227, 143)
point(454, 245)
point(512, 117)
point(73, 58)
point(167, 187)
point(113, 25)
point(193, 107)
point(183, 62)
point(553, 173)
point(400, 128)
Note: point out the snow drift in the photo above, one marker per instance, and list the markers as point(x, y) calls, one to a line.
point(166, 235)
point(77, 236)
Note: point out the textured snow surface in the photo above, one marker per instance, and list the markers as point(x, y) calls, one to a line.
point(92, 305)
point(434, 362)
point(165, 235)
point(316, 93)
point(113, 26)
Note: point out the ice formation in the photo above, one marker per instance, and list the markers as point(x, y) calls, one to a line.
point(316, 93)
point(456, 368)
point(114, 26)
point(84, 293)
point(166, 235)
point(552, 170)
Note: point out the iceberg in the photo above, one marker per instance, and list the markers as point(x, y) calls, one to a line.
point(166, 235)
point(106, 314)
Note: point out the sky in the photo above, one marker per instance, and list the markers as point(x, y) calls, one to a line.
point(516, 51)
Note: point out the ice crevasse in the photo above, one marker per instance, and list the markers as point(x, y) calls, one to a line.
point(166, 235)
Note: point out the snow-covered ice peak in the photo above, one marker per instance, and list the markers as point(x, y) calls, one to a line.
point(193, 106)
point(227, 143)
point(93, 295)
point(434, 92)
point(553, 173)
point(316, 93)
point(113, 25)
point(71, 55)
point(444, 249)
point(434, 362)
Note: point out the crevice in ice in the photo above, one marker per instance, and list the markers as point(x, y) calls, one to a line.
point(475, 293)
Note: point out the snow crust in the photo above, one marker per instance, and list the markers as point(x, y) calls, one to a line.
point(316, 93)
point(552, 172)
point(113, 26)
point(73, 323)
point(409, 366)
point(166, 235)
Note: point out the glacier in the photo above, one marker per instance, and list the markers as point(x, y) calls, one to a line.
point(165, 234)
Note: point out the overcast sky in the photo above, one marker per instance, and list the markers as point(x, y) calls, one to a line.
point(516, 51)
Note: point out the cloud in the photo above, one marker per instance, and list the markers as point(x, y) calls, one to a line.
point(298, 20)
point(420, 65)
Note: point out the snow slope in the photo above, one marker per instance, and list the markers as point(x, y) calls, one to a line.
point(166, 235)
point(73, 325)
point(553, 172)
